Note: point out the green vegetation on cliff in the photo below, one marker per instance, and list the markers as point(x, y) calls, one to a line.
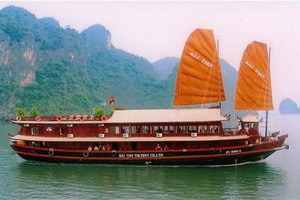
point(60, 71)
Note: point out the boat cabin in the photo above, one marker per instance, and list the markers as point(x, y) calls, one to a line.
point(130, 123)
point(250, 124)
point(131, 129)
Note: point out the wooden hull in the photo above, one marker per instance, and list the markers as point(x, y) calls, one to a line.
point(218, 156)
point(175, 161)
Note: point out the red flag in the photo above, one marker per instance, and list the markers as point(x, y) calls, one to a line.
point(112, 101)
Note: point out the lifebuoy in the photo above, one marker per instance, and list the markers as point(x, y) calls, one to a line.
point(103, 118)
point(86, 153)
point(18, 118)
point(38, 118)
point(51, 152)
point(58, 118)
point(113, 153)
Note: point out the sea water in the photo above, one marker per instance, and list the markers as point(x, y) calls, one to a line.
point(278, 177)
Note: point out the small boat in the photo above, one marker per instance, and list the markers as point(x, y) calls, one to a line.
point(177, 136)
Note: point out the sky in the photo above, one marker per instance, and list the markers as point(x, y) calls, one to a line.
point(156, 29)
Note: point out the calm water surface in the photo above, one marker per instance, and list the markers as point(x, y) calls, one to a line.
point(276, 178)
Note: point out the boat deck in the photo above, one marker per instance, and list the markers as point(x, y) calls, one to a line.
point(130, 139)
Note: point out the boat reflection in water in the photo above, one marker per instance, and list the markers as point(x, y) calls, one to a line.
point(111, 181)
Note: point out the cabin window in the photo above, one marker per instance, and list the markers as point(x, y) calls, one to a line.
point(35, 144)
point(138, 129)
point(135, 129)
point(146, 129)
point(158, 129)
point(49, 128)
point(169, 129)
point(180, 129)
point(202, 128)
point(35, 130)
point(214, 129)
point(117, 130)
point(61, 131)
point(112, 129)
point(255, 125)
point(251, 125)
point(124, 129)
point(192, 129)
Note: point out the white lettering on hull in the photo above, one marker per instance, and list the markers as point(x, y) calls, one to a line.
point(233, 151)
point(140, 155)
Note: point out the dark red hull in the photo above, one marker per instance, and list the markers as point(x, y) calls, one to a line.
point(219, 156)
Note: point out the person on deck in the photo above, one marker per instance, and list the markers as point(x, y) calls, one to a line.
point(247, 128)
point(158, 147)
point(90, 148)
point(166, 147)
point(96, 148)
point(108, 147)
point(239, 126)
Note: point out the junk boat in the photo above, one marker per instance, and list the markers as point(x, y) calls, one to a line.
point(178, 136)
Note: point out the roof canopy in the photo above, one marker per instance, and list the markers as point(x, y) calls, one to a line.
point(250, 118)
point(166, 116)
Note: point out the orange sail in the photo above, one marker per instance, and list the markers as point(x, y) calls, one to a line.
point(199, 78)
point(253, 90)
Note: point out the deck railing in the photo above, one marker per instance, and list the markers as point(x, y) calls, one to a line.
point(62, 118)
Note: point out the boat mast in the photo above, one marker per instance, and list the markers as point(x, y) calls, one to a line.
point(267, 112)
point(266, 129)
point(220, 104)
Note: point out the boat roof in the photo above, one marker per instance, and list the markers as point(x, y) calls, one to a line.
point(250, 118)
point(145, 116)
point(166, 116)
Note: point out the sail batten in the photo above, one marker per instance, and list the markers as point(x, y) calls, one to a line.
point(199, 79)
point(253, 90)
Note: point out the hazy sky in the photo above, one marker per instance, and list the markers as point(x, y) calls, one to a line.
point(158, 29)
